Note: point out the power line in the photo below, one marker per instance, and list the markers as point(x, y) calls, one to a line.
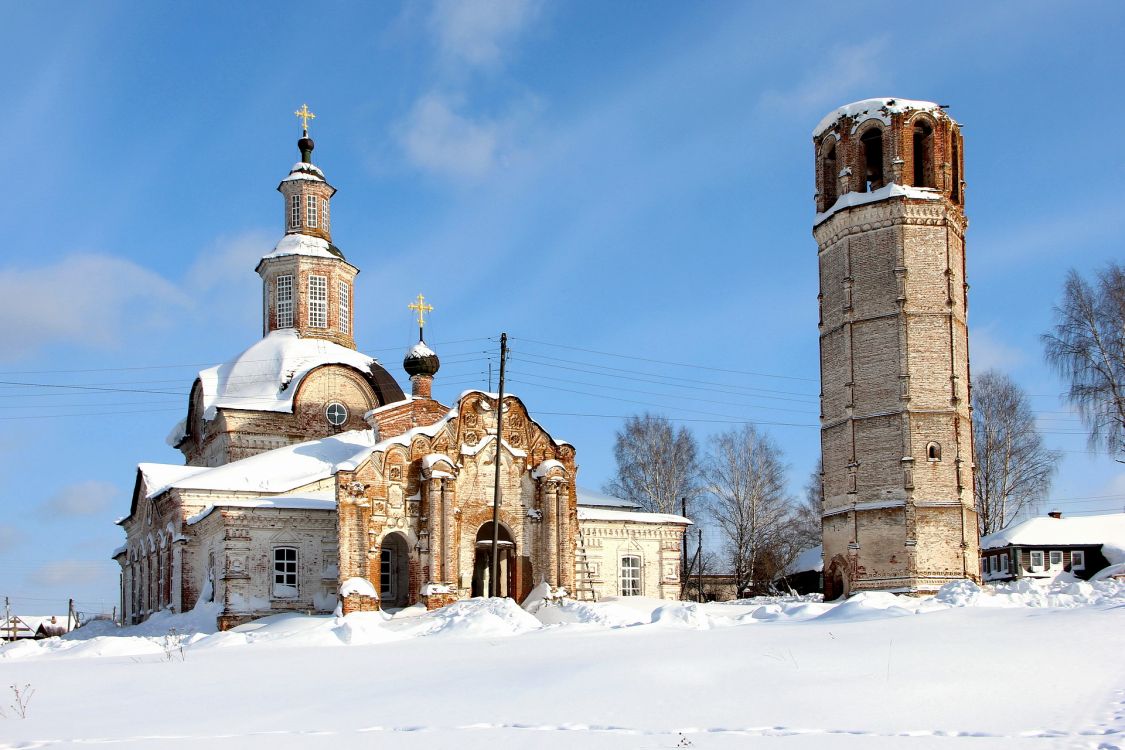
point(665, 362)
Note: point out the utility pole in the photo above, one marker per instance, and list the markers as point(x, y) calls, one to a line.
point(699, 554)
point(685, 572)
point(493, 583)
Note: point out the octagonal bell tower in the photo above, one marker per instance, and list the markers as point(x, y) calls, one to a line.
point(308, 285)
point(896, 425)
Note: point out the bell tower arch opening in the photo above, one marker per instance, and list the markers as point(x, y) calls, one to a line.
point(829, 173)
point(871, 150)
point(923, 148)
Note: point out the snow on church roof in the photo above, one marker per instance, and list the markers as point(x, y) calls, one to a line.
point(587, 513)
point(266, 376)
point(281, 469)
point(316, 500)
point(891, 190)
point(879, 108)
point(302, 244)
point(590, 498)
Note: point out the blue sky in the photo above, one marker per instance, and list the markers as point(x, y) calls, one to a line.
point(630, 180)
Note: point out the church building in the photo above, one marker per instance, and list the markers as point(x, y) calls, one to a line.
point(311, 479)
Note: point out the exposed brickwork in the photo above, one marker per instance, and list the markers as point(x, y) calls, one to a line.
point(895, 368)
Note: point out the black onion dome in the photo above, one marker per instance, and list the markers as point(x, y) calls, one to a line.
point(306, 147)
point(421, 360)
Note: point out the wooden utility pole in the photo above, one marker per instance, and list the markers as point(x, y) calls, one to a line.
point(684, 570)
point(493, 583)
point(699, 554)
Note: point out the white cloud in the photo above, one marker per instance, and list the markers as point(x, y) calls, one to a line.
point(86, 498)
point(70, 573)
point(85, 299)
point(438, 139)
point(10, 537)
point(987, 351)
point(476, 32)
point(845, 68)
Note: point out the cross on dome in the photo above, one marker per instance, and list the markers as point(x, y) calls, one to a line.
point(422, 308)
point(305, 116)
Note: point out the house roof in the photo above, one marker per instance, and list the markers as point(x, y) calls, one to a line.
point(1106, 530)
point(590, 498)
point(811, 559)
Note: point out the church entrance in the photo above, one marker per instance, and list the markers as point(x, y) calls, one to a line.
point(482, 561)
point(394, 565)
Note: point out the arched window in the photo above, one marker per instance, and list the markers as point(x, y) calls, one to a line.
point(828, 174)
point(285, 572)
point(923, 154)
point(872, 146)
point(933, 452)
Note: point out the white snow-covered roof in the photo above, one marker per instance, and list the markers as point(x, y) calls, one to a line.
point(544, 468)
point(881, 108)
point(1107, 530)
point(891, 190)
point(301, 244)
point(591, 498)
point(420, 350)
point(284, 469)
point(304, 170)
point(587, 513)
point(808, 559)
point(266, 376)
point(316, 500)
point(159, 477)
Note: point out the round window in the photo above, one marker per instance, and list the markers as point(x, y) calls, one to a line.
point(336, 413)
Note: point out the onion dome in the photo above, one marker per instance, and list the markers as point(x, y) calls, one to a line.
point(421, 360)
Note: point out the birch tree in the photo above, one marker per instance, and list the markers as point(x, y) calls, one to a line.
point(1013, 468)
point(656, 464)
point(745, 479)
point(1087, 347)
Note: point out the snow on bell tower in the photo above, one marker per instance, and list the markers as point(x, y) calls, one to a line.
point(896, 425)
point(308, 286)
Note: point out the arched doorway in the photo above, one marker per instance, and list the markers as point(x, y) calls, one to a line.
point(836, 579)
point(394, 569)
point(482, 561)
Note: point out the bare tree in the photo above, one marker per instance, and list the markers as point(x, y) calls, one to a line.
point(1087, 347)
point(745, 478)
point(1013, 468)
point(805, 519)
point(656, 464)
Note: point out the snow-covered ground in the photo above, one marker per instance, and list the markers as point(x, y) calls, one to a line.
point(1020, 666)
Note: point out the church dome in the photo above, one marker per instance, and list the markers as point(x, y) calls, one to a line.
point(421, 360)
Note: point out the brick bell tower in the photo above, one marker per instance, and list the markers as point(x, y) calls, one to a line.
point(307, 283)
point(896, 425)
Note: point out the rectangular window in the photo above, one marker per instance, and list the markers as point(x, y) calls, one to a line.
point(310, 212)
point(294, 212)
point(284, 301)
point(345, 309)
point(324, 214)
point(318, 301)
point(1003, 563)
point(1056, 559)
point(386, 575)
point(285, 572)
point(1078, 560)
point(1037, 559)
point(630, 575)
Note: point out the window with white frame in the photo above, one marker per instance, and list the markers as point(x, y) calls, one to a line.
point(311, 217)
point(1077, 559)
point(285, 301)
point(294, 211)
point(1003, 563)
point(318, 301)
point(1056, 559)
point(1037, 559)
point(285, 572)
point(324, 214)
point(345, 306)
point(630, 575)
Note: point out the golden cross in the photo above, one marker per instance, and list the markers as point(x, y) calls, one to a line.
point(422, 309)
point(305, 116)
